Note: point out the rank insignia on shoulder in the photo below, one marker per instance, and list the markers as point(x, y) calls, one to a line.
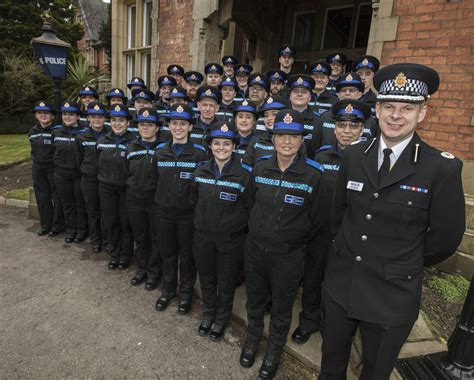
point(447, 155)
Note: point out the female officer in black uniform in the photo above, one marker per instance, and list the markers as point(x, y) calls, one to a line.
point(245, 119)
point(220, 221)
point(112, 174)
point(42, 150)
point(289, 208)
point(176, 161)
point(67, 174)
point(87, 143)
point(142, 179)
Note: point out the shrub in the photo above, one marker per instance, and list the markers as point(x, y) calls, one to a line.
point(452, 288)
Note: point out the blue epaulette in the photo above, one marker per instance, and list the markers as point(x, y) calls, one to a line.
point(317, 113)
point(83, 130)
point(247, 167)
point(315, 164)
point(159, 146)
point(197, 146)
point(324, 147)
point(57, 126)
point(263, 158)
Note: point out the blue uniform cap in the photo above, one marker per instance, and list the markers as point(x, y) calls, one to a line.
point(96, 108)
point(258, 79)
point(229, 81)
point(70, 107)
point(320, 68)
point(287, 49)
point(175, 70)
point(279, 75)
point(116, 93)
point(350, 80)
point(89, 90)
point(367, 61)
point(119, 110)
point(143, 94)
point(213, 68)
point(229, 60)
point(336, 57)
point(209, 92)
point(288, 121)
point(148, 115)
point(41, 105)
point(178, 92)
point(243, 69)
point(349, 109)
point(166, 80)
point(180, 112)
point(136, 81)
point(222, 130)
point(246, 106)
point(274, 103)
point(193, 76)
point(301, 80)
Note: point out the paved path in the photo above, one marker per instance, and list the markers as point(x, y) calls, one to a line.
point(64, 315)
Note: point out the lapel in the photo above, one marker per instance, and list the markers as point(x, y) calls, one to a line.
point(369, 163)
point(403, 167)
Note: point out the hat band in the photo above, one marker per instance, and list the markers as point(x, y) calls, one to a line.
point(273, 106)
point(296, 127)
point(177, 95)
point(93, 93)
point(150, 118)
point(280, 78)
point(180, 115)
point(146, 97)
point(44, 108)
point(221, 134)
point(245, 109)
point(70, 109)
point(118, 113)
point(348, 83)
point(301, 84)
point(232, 84)
point(116, 95)
point(401, 98)
point(321, 70)
point(361, 65)
point(204, 95)
point(100, 112)
point(355, 112)
point(412, 86)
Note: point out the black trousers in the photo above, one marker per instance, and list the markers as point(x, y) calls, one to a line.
point(176, 244)
point(380, 344)
point(314, 267)
point(277, 269)
point(90, 189)
point(48, 200)
point(116, 221)
point(143, 222)
point(75, 216)
point(218, 265)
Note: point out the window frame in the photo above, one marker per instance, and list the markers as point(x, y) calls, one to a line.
point(326, 11)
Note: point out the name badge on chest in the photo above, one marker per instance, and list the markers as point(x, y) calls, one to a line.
point(47, 142)
point(227, 196)
point(355, 186)
point(293, 200)
point(185, 175)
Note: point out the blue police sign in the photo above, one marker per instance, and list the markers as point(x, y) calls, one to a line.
point(51, 53)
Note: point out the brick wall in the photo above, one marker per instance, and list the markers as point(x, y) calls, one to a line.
point(440, 34)
point(175, 30)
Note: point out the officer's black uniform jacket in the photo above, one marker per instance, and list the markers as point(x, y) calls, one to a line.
point(222, 201)
point(387, 232)
point(200, 130)
point(289, 207)
point(225, 112)
point(133, 126)
point(323, 102)
point(87, 144)
point(327, 123)
point(112, 159)
point(330, 158)
point(312, 128)
point(142, 173)
point(259, 147)
point(242, 145)
point(83, 122)
point(42, 148)
point(162, 108)
point(66, 150)
point(175, 192)
point(370, 99)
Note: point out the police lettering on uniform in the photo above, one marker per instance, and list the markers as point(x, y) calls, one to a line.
point(262, 145)
point(141, 188)
point(350, 116)
point(208, 100)
point(112, 175)
point(42, 151)
point(399, 205)
point(245, 118)
point(300, 87)
point(67, 174)
point(322, 99)
point(287, 211)
point(176, 162)
point(87, 147)
point(220, 221)
point(242, 73)
point(350, 86)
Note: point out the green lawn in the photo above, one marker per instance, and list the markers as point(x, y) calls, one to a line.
point(14, 148)
point(22, 194)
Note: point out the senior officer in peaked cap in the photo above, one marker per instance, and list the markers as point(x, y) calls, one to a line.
point(399, 206)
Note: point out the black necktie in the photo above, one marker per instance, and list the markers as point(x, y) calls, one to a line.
point(385, 168)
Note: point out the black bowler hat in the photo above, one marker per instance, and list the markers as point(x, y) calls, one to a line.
point(213, 68)
point(352, 110)
point(406, 82)
point(175, 70)
point(336, 58)
point(229, 60)
point(275, 75)
point(288, 122)
point(350, 80)
point(193, 76)
point(180, 112)
point(222, 130)
point(300, 80)
point(321, 67)
point(366, 62)
point(209, 92)
point(287, 49)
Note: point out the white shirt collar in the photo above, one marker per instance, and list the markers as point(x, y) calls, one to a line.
point(396, 150)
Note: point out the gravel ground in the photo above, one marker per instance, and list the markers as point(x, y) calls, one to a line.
point(64, 315)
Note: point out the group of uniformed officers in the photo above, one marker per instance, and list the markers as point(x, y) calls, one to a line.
point(280, 179)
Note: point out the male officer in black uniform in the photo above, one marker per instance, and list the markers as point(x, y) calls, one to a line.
point(277, 81)
point(208, 100)
point(286, 58)
point(177, 72)
point(229, 89)
point(399, 205)
point(322, 99)
point(350, 116)
point(214, 73)
point(366, 67)
point(337, 62)
point(242, 73)
point(228, 63)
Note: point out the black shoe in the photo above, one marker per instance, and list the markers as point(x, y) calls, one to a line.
point(184, 307)
point(42, 232)
point(53, 233)
point(249, 351)
point(113, 264)
point(217, 333)
point(97, 248)
point(138, 279)
point(123, 265)
point(80, 239)
point(68, 240)
point(300, 336)
point(269, 366)
point(108, 248)
point(204, 327)
point(162, 303)
point(151, 283)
